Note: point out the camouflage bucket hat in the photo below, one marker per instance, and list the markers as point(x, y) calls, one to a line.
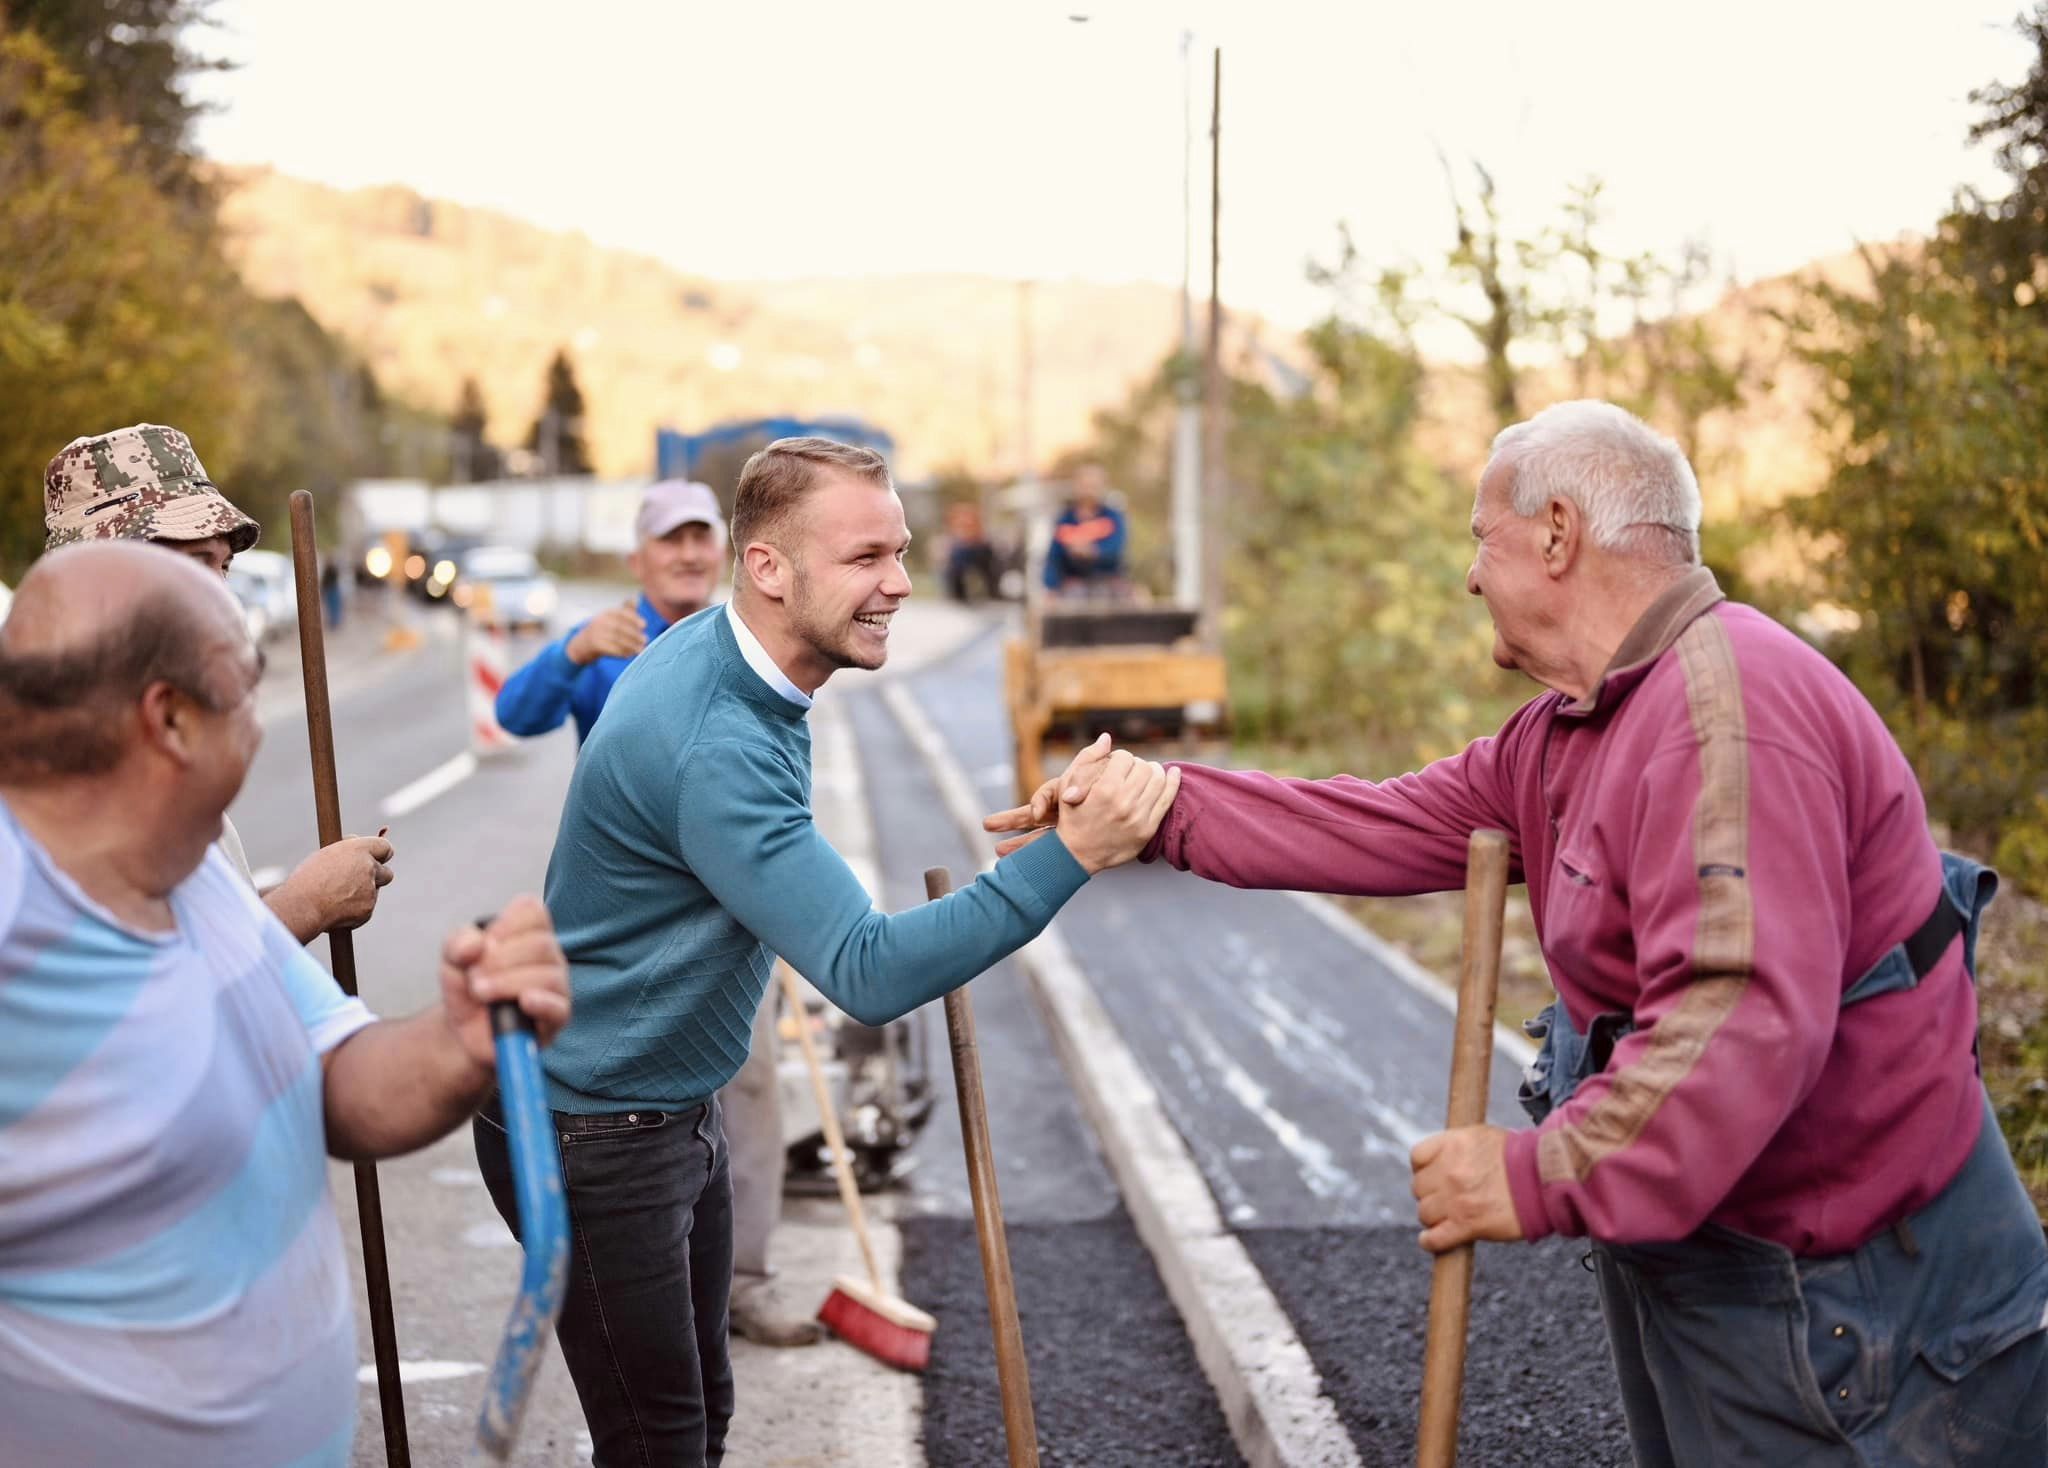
point(139, 483)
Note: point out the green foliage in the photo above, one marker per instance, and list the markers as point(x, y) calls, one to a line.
point(1937, 504)
point(117, 305)
point(110, 293)
point(130, 60)
point(1349, 627)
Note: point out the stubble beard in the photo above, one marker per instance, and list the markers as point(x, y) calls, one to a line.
point(835, 645)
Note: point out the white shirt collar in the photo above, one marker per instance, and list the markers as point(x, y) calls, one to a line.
point(758, 659)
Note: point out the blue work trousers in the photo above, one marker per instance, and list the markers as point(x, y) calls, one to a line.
point(1924, 1347)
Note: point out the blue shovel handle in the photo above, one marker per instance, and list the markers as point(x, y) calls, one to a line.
point(543, 1229)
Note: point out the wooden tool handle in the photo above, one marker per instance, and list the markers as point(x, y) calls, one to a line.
point(1450, 1284)
point(341, 954)
point(828, 1118)
point(1013, 1373)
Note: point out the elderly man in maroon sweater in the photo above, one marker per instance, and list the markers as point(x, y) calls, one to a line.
point(1759, 1093)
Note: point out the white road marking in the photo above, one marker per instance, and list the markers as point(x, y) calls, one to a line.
point(416, 1371)
point(435, 782)
point(456, 1177)
point(493, 1235)
point(267, 877)
point(1313, 1158)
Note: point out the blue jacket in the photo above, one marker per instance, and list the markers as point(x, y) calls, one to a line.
point(549, 689)
point(1104, 530)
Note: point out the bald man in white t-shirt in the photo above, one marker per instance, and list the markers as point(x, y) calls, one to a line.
point(174, 1068)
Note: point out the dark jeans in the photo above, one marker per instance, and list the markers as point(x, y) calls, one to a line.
point(650, 1274)
point(1922, 1349)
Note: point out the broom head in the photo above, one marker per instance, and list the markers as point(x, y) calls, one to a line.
point(893, 1331)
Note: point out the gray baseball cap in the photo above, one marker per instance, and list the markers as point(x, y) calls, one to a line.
point(674, 502)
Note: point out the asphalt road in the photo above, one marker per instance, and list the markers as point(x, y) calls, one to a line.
point(1114, 1381)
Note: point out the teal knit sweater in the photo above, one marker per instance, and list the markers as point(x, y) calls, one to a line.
point(687, 856)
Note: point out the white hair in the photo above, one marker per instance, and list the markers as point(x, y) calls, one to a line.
point(1631, 483)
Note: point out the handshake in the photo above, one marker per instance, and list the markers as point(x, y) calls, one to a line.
point(1105, 807)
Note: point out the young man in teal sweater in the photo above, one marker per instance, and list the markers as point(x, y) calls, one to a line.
point(687, 858)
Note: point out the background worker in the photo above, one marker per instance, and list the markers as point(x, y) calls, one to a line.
point(687, 855)
point(177, 1069)
point(1758, 1094)
point(145, 483)
point(678, 550)
point(679, 547)
point(1087, 550)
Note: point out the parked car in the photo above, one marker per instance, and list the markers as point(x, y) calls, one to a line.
point(254, 597)
point(502, 586)
point(262, 582)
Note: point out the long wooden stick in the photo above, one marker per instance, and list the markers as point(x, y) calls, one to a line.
point(1450, 1286)
point(341, 949)
point(1013, 1373)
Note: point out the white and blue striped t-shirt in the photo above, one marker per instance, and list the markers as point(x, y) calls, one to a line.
point(173, 1291)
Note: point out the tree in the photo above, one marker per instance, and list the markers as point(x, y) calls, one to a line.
point(111, 294)
point(558, 433)
point(472, 457)
point(132, 60)
point(1936, 507)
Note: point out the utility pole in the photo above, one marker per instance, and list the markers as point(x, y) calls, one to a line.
point(1212, 385)
point(1027, 467)
point(1187, 420)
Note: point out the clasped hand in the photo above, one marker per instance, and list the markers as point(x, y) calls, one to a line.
point(1106, 806)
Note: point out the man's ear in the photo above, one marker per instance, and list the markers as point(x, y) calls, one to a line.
point(165, 718)
point(1563, 526)
point(766, 570)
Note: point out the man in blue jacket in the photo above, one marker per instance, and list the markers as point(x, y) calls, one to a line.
point(681, 545)
point(1087, 549)
point(687, 855)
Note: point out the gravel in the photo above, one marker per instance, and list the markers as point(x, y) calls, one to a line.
point(1539, 1384)
point(1114, 1380)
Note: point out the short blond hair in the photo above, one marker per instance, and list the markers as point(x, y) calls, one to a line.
point(778, 478)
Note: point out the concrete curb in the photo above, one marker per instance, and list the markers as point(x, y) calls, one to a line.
point(1269, 1389)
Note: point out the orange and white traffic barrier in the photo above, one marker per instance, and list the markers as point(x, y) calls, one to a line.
point(485, 670)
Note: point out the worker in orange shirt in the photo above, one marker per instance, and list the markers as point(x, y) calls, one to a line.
point(1087, 549)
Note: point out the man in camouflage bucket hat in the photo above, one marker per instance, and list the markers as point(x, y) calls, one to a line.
point(146, 483)
point(140, 483)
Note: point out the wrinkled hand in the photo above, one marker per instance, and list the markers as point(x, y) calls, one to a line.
point(1035, 819)
point(615, 632)
point(337, 885)
point(515, 958)
point(1125, 805)
point(1461, 1188)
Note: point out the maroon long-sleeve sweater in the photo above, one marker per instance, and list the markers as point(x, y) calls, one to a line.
point(1719, 840)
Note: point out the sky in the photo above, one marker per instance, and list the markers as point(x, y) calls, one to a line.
point(1008, 137)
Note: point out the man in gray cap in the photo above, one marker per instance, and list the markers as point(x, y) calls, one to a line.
point(680, 549)
point(145, 483)
point(680, 546)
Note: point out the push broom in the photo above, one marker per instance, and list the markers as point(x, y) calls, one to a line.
point(864, 1315)
point(1450, 1284)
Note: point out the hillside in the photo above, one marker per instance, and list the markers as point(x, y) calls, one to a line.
point(432, 291)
